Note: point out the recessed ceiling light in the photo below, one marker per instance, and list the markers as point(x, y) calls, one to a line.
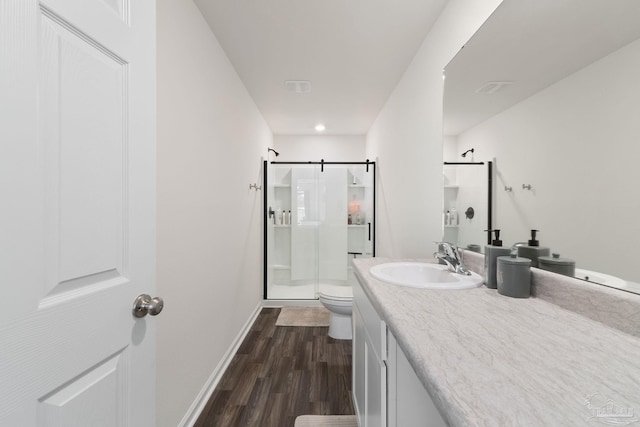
point(320, 127)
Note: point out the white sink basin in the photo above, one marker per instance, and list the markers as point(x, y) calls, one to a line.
point(424, 275)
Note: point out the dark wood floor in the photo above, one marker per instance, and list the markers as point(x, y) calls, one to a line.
point(279, 373)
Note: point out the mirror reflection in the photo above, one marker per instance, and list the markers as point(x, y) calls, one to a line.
point(467, 199)
point(550, 91)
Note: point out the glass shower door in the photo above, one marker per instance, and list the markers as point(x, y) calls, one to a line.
point(291, 241)
point(306, 218)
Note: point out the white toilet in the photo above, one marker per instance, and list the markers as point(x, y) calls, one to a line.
point(338, 300)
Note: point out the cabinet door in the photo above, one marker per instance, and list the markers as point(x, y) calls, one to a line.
point(376, 389)
point(369, 376)
point(359, 365)
point(409, 403)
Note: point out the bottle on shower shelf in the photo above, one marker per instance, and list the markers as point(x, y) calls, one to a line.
point(453, 220)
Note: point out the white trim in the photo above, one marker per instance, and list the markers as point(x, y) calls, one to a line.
point(203, 397)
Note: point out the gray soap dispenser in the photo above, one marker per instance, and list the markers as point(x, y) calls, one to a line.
point(533, 250)
point(491, 253)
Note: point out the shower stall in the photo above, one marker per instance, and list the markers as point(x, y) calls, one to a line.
point(318, 216)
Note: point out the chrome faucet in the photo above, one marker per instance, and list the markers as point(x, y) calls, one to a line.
point(448, 254)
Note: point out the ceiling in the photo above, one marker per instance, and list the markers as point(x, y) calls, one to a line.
point(353, 52)
point(532, 44)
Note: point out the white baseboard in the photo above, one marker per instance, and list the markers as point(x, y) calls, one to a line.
point(205, 394)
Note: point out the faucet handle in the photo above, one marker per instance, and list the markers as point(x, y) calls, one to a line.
point(449, 249)
point(442, 245)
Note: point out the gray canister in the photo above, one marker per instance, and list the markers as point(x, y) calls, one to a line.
point(514, 276)
point(557, 265)
point(533, 253)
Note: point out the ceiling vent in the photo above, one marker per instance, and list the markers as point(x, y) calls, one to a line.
point(492, 87)
point(298, 86)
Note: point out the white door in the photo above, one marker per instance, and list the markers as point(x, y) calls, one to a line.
point(77, 212)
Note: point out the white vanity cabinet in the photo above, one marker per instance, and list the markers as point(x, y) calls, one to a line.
point(386, 389)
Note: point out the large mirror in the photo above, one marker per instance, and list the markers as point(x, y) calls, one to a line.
point(550, 89)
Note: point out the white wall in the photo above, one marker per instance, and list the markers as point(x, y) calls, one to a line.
point(210, 141)
point(406, 138)
point(450, 149)
point(331, 148)
point(577, 144)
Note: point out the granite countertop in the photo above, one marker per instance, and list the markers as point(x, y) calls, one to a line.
point(491, 360)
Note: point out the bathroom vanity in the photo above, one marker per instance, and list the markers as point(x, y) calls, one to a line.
point(474, 357)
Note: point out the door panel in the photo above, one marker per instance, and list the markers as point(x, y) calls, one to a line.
point(83, 113)
point(78, 216)
point(94, 398)
point(333, 261)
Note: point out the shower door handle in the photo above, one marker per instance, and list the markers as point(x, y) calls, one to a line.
point(369, 230)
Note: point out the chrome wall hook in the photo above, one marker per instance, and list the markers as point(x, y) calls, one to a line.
point(255, 187)
point(526, 186)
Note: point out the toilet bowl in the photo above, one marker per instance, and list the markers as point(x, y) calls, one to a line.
point(338, 300)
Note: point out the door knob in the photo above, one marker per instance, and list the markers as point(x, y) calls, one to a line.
point(144, 305)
